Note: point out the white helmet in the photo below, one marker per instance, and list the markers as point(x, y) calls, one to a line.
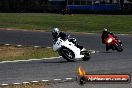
point(55, 31)
point(105, 29)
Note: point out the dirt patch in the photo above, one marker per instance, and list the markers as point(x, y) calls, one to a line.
point(31, 85)
point(24, 53)
point(11, 51)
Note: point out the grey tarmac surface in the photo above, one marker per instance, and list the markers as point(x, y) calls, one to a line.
point(102, 62)
point(76, 85)
point(25, 38)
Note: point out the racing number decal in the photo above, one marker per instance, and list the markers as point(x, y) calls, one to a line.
point(58, 43)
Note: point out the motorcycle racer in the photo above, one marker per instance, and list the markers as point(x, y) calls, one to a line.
point(105, 34)
point(56, 34)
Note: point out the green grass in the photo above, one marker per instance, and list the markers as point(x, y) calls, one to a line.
point(24, 53)
point(75, 22)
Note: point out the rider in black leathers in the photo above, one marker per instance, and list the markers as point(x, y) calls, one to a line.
point(56, 34)
point(105, 34)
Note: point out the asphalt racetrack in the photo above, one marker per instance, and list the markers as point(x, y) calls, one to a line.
point(102, 62)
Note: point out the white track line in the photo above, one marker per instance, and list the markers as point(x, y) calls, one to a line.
point(57, 79)
point(19, 45)
point(7, 44)
point(16, 83)
point(4, 84)
point(51, 58)
point(36, 46)
point(29, 60)
point(68, 78)
point(91, 51)
point(34, 81)
point(45, 80)
point(25, 82)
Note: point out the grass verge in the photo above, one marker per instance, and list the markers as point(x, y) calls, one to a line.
point(24, 53)
point(74, 23)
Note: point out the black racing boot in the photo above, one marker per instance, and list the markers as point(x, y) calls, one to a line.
point(107, 47)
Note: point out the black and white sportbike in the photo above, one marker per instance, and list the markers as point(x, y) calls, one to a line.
point(69, 51)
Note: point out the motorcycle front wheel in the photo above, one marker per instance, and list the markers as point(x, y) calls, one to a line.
point(86, 55)
point(67, 54)
point(119, 48)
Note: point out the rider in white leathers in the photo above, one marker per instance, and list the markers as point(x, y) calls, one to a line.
point(56, 34)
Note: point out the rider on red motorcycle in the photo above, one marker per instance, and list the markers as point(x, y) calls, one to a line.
point(105, 36)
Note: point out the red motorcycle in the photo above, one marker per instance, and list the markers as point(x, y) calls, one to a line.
point(113, 43)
